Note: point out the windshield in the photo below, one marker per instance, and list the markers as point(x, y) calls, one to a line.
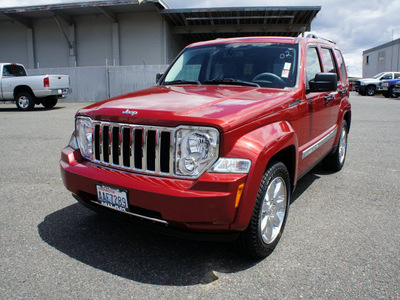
point(13, 70)
point(378, 75)
point(255, 64)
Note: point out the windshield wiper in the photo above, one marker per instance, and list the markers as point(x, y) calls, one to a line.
point(181, 81)
point(232, 81)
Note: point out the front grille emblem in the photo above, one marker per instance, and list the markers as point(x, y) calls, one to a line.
point(129, 112)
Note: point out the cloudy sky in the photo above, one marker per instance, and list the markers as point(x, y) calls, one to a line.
point(355, 25)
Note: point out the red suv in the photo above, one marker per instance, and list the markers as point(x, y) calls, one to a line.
point(216, 148)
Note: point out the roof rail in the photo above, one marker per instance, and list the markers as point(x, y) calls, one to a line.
point(313, 36)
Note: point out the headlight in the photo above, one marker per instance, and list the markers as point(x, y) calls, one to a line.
point(84, 136)
point(231, 165)
point(196, 150)
point(385, 84)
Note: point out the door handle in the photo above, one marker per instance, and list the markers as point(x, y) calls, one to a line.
point(328, 99)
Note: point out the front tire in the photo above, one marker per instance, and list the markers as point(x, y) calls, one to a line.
point(270, 212)
point(335, 161)
point(370, 90)
point(25, 101)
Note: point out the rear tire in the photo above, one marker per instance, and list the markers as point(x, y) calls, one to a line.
point(392, 94)
point(335, 161)
point(25, 101)
point(270, 212)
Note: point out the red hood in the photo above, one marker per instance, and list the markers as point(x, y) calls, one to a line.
point(225, 107)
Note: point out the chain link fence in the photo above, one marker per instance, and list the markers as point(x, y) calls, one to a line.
point(99, 83)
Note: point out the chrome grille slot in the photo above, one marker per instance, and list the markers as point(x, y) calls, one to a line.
point(145, 149)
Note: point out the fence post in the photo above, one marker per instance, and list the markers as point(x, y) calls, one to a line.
point(108, 88)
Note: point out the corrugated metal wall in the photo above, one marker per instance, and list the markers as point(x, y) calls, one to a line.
point(99, 83)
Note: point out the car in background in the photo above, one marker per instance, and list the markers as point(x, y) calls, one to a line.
point(368, 86)
point(352, 83)
point(385, 87)
point(396, 90)
point(27, 91)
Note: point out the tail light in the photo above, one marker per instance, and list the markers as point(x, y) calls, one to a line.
point(46, 82)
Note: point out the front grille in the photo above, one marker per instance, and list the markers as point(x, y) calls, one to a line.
point(145, 149)
point(357, 85)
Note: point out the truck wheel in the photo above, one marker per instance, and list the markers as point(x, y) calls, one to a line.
point(392, 94)
point(49, 102)
point(370, 90)
point(269, 214)
point(335, 161)
point(25, 101)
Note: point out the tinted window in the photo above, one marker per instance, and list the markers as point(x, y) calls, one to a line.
point(13, 70)
point(263, 64)
point(329, 61)
point(313, 65)
point(396, 75)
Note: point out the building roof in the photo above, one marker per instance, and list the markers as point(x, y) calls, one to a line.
point(383, 46)
point(110, 8)
point(211, 23)
point(194, 24)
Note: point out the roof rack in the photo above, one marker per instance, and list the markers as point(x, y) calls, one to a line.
point(313, 36)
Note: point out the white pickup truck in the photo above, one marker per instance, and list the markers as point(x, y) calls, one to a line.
point(27, 91)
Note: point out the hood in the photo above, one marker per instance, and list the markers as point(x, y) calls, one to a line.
point(225, 107)
point(368, 80)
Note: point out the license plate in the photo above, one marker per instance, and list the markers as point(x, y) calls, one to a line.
point(112, 197)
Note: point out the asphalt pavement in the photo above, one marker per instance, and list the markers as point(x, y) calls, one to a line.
point(342, 238)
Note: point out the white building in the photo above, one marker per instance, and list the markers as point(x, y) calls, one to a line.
point(383, 58)
point(117, 46)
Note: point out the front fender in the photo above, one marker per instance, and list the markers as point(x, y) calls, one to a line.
point(260, 146)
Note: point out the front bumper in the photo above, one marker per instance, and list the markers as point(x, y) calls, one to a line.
point(207, 204)
point(381, 89)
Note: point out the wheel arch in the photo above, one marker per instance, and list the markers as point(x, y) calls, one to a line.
point(22, 88)
point(288, 157)
point(273, 142)
point(347, 118)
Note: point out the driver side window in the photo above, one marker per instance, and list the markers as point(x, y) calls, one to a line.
point(313, 64)
point(387, 76)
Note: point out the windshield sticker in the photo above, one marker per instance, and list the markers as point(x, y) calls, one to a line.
point(287, 66)
point(285, 73)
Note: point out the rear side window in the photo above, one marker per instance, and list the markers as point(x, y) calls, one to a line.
point(341, 65)
point(313, 64)
point(396, 75)
point(329, 61)
point(13, 70)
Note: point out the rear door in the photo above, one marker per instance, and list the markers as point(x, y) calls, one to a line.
point(319, 102)
point(321, 106)
point(332, 99)
point(343, 81)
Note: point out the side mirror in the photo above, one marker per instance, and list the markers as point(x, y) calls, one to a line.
point(158, 77)
point(324, 82)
